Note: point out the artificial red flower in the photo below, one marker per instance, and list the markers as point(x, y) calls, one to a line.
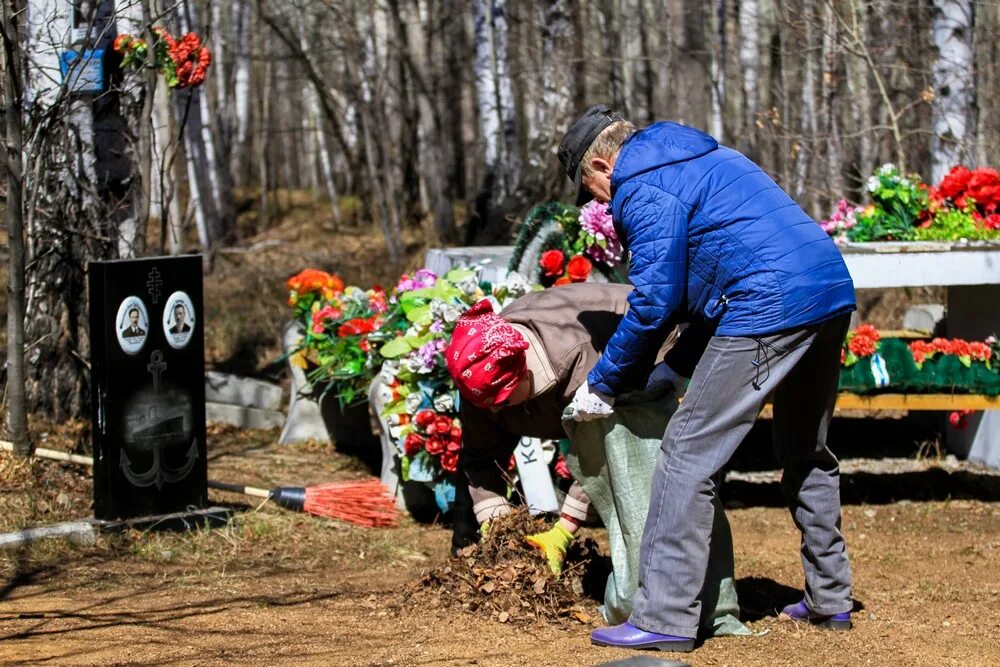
point(425, 418)
point(453, 446)
point(449, 461)
point(863, 340)
point(953, 184)
point(980, 351)
point(955, 419)
point(356, 327)
point(991, 221)
point(434, 445)
point(320, 317)
point(365, 346)
point(561, 469)
point(314, 280)
point(960, 348)
point(192, 60)
point(942, 345)
point(413, 443)
point(552, 262)
point(442, 426)
point(456, 434)
point(869, 331)
point(579, 269)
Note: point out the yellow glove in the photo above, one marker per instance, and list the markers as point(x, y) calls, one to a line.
point(552, 543)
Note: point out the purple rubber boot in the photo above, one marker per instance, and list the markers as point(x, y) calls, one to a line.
point(627, 635)
point(800, 612)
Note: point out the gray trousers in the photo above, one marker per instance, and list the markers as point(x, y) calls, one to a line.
point(730, 385)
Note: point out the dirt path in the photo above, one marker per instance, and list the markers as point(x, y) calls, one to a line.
point(926, 576)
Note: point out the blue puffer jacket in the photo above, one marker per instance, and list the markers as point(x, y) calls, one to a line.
point(711, 237)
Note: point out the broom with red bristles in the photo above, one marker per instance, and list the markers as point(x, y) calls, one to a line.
point(366, 503)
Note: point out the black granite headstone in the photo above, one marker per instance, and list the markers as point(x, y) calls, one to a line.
point(148, 386)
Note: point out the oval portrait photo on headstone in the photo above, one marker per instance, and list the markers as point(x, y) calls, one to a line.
point(178, 320)
point(132, 324)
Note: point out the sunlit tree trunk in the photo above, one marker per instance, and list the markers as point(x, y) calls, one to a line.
point(954, 89)
point(15, 396)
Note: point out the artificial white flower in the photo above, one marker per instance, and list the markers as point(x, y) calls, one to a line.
point(413, 401)
point(444, 402)
point(469, 286)
point(516, 285)
point(453, 312)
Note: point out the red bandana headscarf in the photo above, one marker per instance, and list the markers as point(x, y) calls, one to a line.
point(486, 356)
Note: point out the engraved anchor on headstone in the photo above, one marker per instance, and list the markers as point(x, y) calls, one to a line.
point(158, 473)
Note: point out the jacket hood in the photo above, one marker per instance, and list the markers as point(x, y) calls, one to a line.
point(658, 145)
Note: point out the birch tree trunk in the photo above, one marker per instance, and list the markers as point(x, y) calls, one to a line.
point(497, 121)
point(859, 89)
point(952, 75)
point(987, 60)
point(718, 70)
point(749, 57)
point(806, 145)
point(14, 392)
point(240, 158)
point(556, 85)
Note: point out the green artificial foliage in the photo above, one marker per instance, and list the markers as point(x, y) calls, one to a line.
point(941, 374)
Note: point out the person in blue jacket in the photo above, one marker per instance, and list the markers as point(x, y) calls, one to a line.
point(712, 238)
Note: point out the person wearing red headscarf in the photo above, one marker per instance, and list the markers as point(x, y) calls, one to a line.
point(516, 372)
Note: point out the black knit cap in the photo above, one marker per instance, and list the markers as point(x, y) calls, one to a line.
point(577, 140)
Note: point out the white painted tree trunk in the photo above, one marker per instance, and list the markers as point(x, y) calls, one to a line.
point(952, 76)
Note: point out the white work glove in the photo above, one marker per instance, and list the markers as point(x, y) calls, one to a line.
point(589, 405)
point(662, 376)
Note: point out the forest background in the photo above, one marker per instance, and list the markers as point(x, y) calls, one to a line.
point(440, 119)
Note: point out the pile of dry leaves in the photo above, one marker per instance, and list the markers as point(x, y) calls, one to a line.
point(504, 578)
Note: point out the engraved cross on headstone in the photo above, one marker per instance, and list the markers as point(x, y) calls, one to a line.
point(156, 366)
point(153, 283)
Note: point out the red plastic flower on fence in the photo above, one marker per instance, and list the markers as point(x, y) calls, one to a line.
point(552, 262)
point(980, 351)
point(863, 341)
point(579, 269)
